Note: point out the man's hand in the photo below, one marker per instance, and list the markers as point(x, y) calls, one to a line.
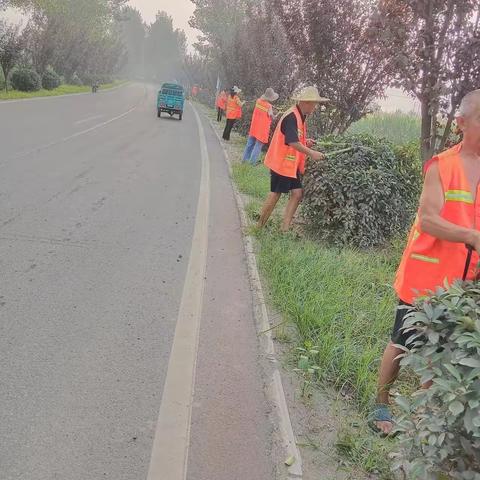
point(316, 156)
point(310, 142)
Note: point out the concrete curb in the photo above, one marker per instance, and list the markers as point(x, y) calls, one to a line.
point(275, 390)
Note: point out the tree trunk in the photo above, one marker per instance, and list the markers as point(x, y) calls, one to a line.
point(426, 140)
point(448, 129)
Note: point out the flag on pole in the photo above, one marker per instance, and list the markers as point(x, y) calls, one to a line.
point(217, 90)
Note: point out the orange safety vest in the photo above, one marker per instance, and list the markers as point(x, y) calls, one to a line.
point(234, 109)
point(261, 121)
point(222, 101)
point(428, 261)
point(282, 158)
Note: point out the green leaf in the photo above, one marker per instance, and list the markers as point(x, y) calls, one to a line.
point(470, 362)
point(451, 369)
point(456, 407)
point(403, 403)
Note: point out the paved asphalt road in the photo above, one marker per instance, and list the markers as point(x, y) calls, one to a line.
point(98, 200)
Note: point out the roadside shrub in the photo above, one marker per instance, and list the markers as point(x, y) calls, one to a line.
point(25, 80)
point(75, 80)
point(409, 165)
point(440, 429)
point(88, 78)
point(357, 196)
point(242, 126)
point(2, 80)
point(206, 97)
point(50, 79)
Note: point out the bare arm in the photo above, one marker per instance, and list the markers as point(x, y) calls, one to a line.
point(431, 204)
point(313, 154)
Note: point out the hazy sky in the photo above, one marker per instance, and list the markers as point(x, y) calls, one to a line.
point(179, 10)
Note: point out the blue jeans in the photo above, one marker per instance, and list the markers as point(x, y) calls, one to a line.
point(252, 150)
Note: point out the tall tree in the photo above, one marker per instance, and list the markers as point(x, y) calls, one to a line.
point(132, 32)
point(335, 51)
point(435, 48)
point(220, 22)
point(165, 49)
point(10, 48)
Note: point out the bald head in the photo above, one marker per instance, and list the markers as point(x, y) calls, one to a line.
point(468, 121)
point(470, 104)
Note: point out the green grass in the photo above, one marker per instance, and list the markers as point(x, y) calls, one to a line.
point(61, 90)
point(253, 181)
point(399, 128)
point(360, 446)
point(340, 300)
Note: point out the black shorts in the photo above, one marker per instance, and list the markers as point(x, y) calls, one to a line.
point(281, 184)
point(398, 335)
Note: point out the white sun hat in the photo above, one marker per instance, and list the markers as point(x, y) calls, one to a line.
point(309, 94)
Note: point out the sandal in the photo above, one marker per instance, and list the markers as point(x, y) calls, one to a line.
point(380, 413)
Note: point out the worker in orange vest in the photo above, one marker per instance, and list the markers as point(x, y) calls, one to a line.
point(287, 154)
point(234, 111)
point(260, 126)
point(221, 105)
point(446, 222)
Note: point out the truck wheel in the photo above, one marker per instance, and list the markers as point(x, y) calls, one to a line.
point(180, 116)
point(159, 113)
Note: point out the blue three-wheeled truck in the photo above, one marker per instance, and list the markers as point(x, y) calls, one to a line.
point(171, 99)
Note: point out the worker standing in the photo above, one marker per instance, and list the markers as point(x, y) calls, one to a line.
point(287, 154)
point(447, 220)
point(260, 126)
point(234, 111)
point(221, 104)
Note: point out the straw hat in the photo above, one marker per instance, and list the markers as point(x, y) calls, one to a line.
point(270, 95)
point(309, 94)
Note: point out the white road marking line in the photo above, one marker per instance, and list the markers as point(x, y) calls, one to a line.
point(75, 135)
point(85, 120)
point(172, 436)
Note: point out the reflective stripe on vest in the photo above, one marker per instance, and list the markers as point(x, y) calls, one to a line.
point(282, 158)
point(459, 196)
point(261, 121)
point(428, 261)
point(424, 258)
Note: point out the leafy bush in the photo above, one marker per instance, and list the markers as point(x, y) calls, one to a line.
point(75, 80)
point(26, 80)
point(440, 428)
point(243, 125)
point(50, 79)
point(409, 165)
point(206, 97)
point(358, 195)
point(88, 78)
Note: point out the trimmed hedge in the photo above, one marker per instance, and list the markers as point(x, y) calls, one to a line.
point(25, 80)
point(364, 192)
point(50, 80)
